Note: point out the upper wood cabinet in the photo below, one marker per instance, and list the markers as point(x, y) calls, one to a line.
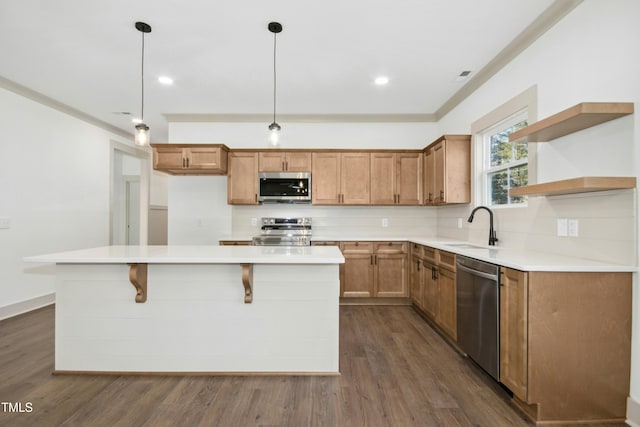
point(448, 170)
point(284, 161)
point(340, 178)
point(396, 178)
point(242, 181)
point(190, 159)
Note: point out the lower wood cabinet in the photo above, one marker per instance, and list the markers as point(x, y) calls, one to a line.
point(374, 269)
point(565, 341)
point(356, 274)
point(433, 287)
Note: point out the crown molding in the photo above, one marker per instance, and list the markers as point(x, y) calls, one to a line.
point(59, 106)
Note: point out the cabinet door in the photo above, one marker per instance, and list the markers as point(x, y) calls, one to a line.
point(447, 302)
point(513, 331)
point(357, 272)
point(383, 178)
point(408, 179)
point(415, 281)
point(205, 158)
point(166, 158)
point(390, 275)
point(242, 180)
point(430, 292)
point(355, 178)
point(439, 171)
point(325, 178)
point(457, 169)
point(298, 162)
point(271, 161)
point(429, 177)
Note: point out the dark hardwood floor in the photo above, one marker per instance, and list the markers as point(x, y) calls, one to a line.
point(395, 371)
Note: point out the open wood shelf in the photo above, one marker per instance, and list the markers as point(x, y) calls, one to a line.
point(576, 118)
point(575, 185)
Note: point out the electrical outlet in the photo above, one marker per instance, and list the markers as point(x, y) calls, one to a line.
point(562, 226)
point(5, 223)
point(459, 222)
point(254, 221)
point(385, 222)
point(573, 227)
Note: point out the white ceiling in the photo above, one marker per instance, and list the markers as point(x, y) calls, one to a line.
point(86, 54)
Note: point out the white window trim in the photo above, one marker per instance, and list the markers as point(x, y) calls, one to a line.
point(526, 100)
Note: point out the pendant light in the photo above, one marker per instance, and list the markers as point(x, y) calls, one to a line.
point(142, 130)
point(274, 127)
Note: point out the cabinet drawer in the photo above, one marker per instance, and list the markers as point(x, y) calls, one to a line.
point(417, 250)
point(447, 260)
point(356, 247)
point(390, 247)
point(327, 243)
point(429, 254)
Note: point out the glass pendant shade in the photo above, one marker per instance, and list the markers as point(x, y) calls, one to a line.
point(274, 135)
point(142, 135)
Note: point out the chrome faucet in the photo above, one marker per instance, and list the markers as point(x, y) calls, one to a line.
point(492, 233)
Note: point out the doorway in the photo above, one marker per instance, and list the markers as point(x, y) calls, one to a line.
point(129, 195)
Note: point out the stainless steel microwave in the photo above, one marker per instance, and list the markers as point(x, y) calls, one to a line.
point(284, 187)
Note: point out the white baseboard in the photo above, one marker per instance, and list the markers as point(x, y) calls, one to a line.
point(27, 305)
point(633, 412)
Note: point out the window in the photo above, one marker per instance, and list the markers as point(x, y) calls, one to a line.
point(505, 163)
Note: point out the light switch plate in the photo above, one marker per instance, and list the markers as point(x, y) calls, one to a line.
point(562, 226)
point(573, 227)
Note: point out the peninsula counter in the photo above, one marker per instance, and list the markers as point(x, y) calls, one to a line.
point(197, 309)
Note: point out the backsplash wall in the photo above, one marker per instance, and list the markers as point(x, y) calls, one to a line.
point(343, 222)
point(606, 225)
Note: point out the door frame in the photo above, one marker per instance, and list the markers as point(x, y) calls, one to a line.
point(145, 166)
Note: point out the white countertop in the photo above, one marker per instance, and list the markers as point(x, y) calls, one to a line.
point(519, 259)
point(525, 260)
point(196, 255)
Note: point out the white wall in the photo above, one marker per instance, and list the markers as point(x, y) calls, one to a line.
point(54, 187)
point(588, 56)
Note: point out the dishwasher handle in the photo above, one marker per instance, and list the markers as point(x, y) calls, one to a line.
point(478, 273)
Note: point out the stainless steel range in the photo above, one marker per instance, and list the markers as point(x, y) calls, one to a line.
point(284, 232)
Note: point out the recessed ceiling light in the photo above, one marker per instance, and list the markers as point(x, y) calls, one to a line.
point(165, 80)
point(381, 81)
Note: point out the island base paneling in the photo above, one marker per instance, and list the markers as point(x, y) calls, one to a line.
point(195, 319)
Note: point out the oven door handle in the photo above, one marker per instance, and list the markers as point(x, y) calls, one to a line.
point(478, 273)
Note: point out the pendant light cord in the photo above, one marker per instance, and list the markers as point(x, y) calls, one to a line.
point(274, 76)
point(142, 79)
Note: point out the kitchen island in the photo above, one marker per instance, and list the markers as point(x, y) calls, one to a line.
point(197, 309)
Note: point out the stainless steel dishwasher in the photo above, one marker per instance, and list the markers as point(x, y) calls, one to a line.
point(478, 306)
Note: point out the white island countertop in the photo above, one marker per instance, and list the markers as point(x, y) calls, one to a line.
point(196, 255)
